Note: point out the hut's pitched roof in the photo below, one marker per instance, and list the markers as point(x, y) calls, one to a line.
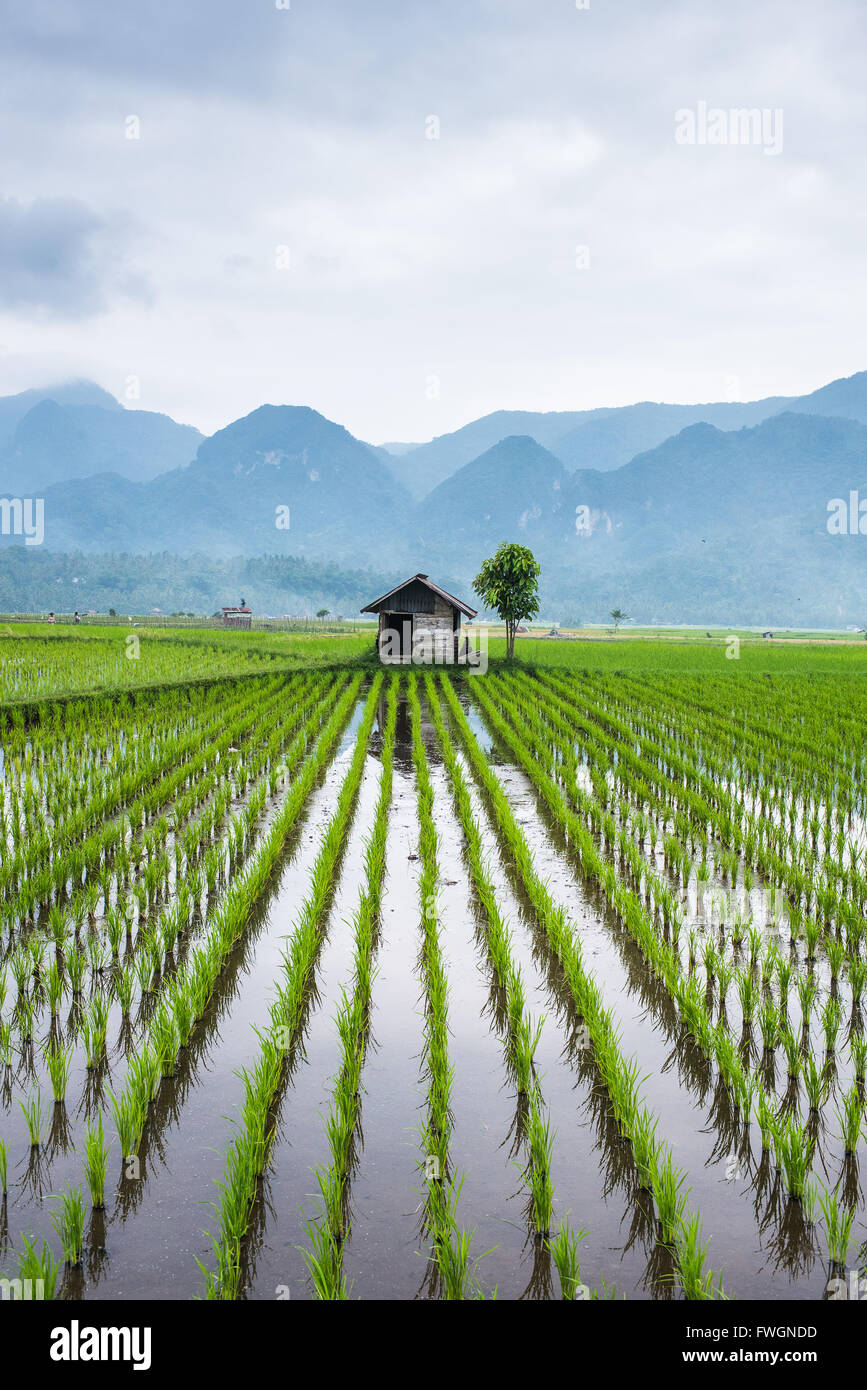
point(376, 604)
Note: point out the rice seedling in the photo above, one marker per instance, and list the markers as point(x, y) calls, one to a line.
point(850, 1119)
point(76, 965)
point(807, 994)
point(838, 1228)
point(19, 964)
point(26, 1017)
point(55, 987)
point(747, 993)
point(832, 1017)
point(769, 1024)
point(815, 1084)
point(130, 1112)
point(124, 988)
point(794, 1155)
point(792, 1050)
point(670, 1199)
point(68, 1222)
point(38, 1270)
point(34, 1115)
point(564, 1252)
point(96, 1163)
point(856, 973)
point(5, 1043)
point(4, 1165)
point(58, 1061)
point(540, 1145)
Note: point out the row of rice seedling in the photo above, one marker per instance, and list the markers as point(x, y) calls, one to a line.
point(248, 1154)
point(152, 941)
point(663, 959)
point(186, 995)
point(87, 861)
point(523, 1031)
point(191, 988)
point(451, 1245)
point(792, 1144)
point(817, 811)
point(679, 1228)
point(328, 1233)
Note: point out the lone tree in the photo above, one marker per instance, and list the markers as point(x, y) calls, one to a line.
point(508, 582)
point(322, 613)
point(619, 617)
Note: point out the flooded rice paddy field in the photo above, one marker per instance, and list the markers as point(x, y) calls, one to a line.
point(397, 986)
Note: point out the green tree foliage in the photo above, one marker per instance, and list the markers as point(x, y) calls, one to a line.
point(508, 582)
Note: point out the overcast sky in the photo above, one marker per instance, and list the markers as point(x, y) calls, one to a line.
point(285, 230)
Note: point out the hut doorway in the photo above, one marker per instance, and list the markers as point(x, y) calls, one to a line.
point(397, 635)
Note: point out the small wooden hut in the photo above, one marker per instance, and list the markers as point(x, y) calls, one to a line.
point(419, 621)
point(237, 617)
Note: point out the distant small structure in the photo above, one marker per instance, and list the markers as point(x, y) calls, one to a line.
point(419, 621)
point(238, 617)
point(767, 634)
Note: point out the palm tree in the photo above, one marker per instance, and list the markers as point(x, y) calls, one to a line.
point(619, 617)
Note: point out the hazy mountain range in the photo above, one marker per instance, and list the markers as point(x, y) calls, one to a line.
point(712, 513)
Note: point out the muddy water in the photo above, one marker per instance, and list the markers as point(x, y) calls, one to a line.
point(677, 1088)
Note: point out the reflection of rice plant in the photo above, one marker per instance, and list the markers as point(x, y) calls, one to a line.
point(4, 1161)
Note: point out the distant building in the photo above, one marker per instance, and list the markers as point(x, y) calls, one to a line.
point(419, 621)
point(237, 617)
point(767, 634)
